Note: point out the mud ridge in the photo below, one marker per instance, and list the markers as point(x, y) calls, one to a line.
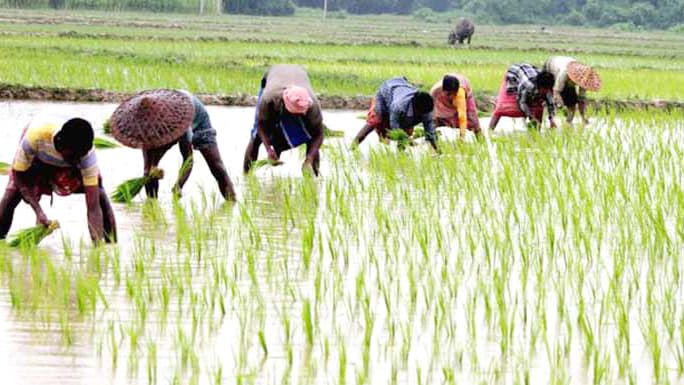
point(485, 102)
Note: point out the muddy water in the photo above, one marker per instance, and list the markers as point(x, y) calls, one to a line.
point(32, 353)
point(232, 123)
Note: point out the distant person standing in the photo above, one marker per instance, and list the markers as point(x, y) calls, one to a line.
point(455, 104)
point(287, 115)
point(572, 80)
point(399, 104)
point(523, 93)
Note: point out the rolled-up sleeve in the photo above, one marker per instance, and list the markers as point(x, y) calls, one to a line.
point(90, 172)
point(24, 155)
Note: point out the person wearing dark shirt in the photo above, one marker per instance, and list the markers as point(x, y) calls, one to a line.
point(287, 115)
point(399, 105)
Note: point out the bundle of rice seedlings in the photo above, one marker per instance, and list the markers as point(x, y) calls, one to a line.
point(264, 162)
point(328, 133)
point(181, 171)
point(33, 235)
point(401, 137)
point(126, 191)
point(107, 127)
point(420, 133)
point(4, 168)
point(101, 142)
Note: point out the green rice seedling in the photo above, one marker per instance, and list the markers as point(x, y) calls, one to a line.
point(265, 162)
point(103, 143)
point(262, 343)
point(184, 169)
point(32, 236)
point(126, 191)
point(308, 323)
point(4, 168)
point(401, 137)
point(107, 127)
point(328, 133)
point(151, 362)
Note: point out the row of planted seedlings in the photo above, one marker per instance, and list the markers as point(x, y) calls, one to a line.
point(121, 64)
point(529, 258)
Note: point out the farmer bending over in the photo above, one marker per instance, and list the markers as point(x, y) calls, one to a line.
point(573, 79)
point(55, 155)
point(454, 104)
point(523, 93)
point(155, 120)
point(287, 115)
point(399, 105)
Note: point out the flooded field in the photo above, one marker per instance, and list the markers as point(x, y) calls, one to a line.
point(530, 258)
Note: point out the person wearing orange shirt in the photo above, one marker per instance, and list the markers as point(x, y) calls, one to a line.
point(454, 104)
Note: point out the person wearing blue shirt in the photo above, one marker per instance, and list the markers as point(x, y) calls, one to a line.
point(399, 105)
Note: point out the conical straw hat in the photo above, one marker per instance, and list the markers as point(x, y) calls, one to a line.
point(152, 119)
point(584, 76)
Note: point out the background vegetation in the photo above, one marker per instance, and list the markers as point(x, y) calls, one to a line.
point(228, 54)
point(623, 14)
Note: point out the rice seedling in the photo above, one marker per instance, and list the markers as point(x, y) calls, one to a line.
point(329, 133)
point(126, 191)
point(104, 143)
point(4, 168)
point(32, 236)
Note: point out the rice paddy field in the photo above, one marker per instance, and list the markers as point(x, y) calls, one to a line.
point(530, 257)
point(345, 57)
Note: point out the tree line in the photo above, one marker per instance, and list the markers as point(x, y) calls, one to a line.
point(624, 13)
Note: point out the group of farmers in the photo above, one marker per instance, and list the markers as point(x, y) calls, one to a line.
point(59, 157)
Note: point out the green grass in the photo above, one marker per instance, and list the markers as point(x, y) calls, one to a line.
point(125, 57)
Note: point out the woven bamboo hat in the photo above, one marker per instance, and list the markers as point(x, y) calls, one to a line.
point(584, 76)
point(153, 118)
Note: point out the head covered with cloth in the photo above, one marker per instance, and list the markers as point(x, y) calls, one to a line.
point(287, 115)
point(155, 120)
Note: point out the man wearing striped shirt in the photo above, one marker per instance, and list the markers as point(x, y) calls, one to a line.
point(531, 88)
point(57, 156)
